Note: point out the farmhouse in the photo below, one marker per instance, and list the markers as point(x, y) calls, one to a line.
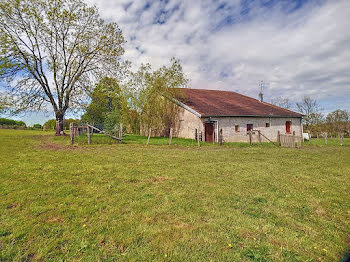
point(208, 113)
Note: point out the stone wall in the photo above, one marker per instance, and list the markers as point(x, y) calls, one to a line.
point(227, 124)
point(189, 122)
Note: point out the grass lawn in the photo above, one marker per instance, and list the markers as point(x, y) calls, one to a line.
point(133, 202)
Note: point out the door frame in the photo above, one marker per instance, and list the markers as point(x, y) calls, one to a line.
point(205, 130)
point(288, 122)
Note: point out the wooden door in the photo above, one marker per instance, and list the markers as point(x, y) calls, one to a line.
point(288, 124)
point(209, 132)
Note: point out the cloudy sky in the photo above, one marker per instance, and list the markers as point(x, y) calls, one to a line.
point(297, 47)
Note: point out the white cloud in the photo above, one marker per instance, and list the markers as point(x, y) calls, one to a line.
point(230, 46)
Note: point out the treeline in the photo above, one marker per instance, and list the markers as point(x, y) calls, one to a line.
point(334, 123)
point(51, 124)
point(10, 123)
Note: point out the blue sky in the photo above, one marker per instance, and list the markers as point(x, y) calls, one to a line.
point(297, 47)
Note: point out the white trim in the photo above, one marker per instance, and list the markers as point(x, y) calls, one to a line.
point(187, 108)
point(217, 131)
point(216, 127)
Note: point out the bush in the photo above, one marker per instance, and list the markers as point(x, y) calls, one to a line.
point(37, 126)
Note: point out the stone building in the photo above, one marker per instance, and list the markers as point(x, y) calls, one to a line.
point(208, 112)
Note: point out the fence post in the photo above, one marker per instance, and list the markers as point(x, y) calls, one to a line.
point(121, 131)
point(279, 138)
point(341, 137)
point(294, 139)
point(170, 135)
point(259, 136)
point(325, 138)
point(71, 131)
point(149, 135)
point(199, 138)
point(89, 134)
point(250, 137)
point(75, 130)
point(220, 137)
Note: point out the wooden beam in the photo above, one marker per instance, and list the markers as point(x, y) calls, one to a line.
point(104, 132)
point(170, 136)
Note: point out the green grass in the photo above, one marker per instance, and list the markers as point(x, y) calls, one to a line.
point(101, 139)
point(133, 202)
point(142, 140)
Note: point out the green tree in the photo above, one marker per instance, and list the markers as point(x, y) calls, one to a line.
point(50, 124)
point(52, 50)
point(108, 107)
point(153, 93)
point(3, 104)
point(338, 121)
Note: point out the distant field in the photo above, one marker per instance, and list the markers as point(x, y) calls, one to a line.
point(133, 202)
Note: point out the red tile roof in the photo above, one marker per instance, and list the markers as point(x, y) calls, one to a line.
point(227, 103)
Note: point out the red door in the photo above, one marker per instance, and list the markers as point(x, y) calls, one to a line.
point(288, 124)
point(209, 132)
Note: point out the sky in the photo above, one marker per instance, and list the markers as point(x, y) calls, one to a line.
point(297, 47)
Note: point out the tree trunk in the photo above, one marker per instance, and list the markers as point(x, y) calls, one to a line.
point(59, 125)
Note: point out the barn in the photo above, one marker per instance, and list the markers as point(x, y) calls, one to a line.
point(207, 113)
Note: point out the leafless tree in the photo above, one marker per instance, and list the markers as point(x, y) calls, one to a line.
point(282, 102)
point(311, 109)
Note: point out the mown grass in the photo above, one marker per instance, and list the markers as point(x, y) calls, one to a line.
point(159, 141)
point(132, 202)
point(142, 140)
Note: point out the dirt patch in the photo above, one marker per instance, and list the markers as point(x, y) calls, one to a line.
point(321, 212)
point(54, 146)
point(102, 243)
point(13, 205)
point(47, 143)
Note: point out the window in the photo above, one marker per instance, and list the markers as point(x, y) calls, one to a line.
point(237, 128)
point(249, 127)
point(267, 125)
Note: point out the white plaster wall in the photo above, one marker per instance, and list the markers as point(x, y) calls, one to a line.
point(227, 124)
point(188, 123)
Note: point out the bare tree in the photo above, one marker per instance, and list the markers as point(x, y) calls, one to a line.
point(310, 108)
point(52, 50)
point(282, 102)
